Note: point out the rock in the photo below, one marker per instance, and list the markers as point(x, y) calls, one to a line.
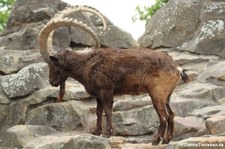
point(63, 116)
point(208, 38)
point(192, 25)
point(172, 24)
point(69, 140)
point(74, 91)
point(135, 122)
point(18, 112)
point(23, 39)
point(204, 91)
point(128, 102)
point(187, 105)
point(216, 125)
point(213, 74)
point(26, 81)
point(145, 146)
point(44, 137)
point(116, 141)
point(185, 58)
point(29, 11)
point(208, 112)
point(20, 135)
point(12, 61)
point(4, 118)
point(117, 38)
point(3, 98)
point(203, 142)
point(188, 127)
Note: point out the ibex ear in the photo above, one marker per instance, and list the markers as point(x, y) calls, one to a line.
point(54, 59)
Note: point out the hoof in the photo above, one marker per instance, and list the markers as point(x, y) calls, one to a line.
point(108, 133)
point(156, 141)
point(166, 141)
point(97, 132)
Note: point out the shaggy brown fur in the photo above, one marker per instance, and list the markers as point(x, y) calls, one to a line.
point(107, 72)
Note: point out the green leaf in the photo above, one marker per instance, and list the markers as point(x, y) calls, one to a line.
point(145, 13)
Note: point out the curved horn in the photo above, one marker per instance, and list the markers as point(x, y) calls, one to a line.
point(56, 23)
point(69, 10)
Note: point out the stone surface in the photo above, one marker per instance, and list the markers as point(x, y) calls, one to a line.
point(208, 39)
point(209, 111)
point(18, 136)
point(214, 73)
point(14, 60)
point(204, 91)
point(169, 26)
point(216, 125)
point(26, 81)
point(135, 122)
point(70, 140)
point(62, 116)
point(186, 127)
point(44, 137)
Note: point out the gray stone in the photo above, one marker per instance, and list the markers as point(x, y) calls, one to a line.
point(183, 106)
point(23, 39)
point(208, 38)
point(209, 111)
point(204, 91)
point(63, 116)
point(20, 135)
point(186, 127)
point(214, 73)
point(12, 61)
point(69, 141)
point(26, 81)
point(172, 24)
point(135, 122)
point(216, 125)
point(117, 38)
point(128, 102)
point(18, 112)
point(28, 11)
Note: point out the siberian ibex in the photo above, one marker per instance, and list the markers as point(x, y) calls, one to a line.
point(106, 72)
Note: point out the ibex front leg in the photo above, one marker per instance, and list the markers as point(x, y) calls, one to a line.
point(61, 91)
point(106, 97)
point(99, 112)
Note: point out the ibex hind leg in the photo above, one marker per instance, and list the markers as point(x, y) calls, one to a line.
point(163, 118)
point(169, 134)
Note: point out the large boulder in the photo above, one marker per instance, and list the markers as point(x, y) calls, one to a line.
point(169, 26)
point(18, 136)
point(45, 137)
point(208, 38)
point(70, 115)
point(12, 61)
point(191, 25)
point(214, 73)
point(26, 81)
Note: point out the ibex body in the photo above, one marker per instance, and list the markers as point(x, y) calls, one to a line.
point(105, 72)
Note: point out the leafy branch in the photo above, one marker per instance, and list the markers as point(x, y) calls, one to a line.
point(145, 13)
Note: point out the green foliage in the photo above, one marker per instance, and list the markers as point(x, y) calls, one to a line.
point(5, 8)
point(147, 11)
